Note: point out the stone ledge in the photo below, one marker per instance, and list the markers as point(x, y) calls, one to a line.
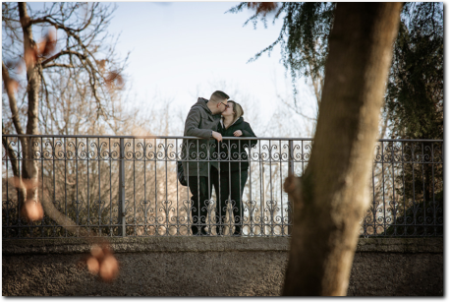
point(401, 245)
point(208, 244)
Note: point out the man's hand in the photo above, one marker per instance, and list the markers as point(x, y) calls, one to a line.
point(238, 133)
point(217, 136)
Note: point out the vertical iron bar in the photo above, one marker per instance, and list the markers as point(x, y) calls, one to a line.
point(155, 189)
point(207, 203)
point(291, 171)
point(7, 186)
point(20, 177)
point(198, 221)
point(270, 154)
point(424, 189)
point(280, 188)
point(240, 211)
point(121, 199)
point(393, 180)
point(229, 201)
point(76, 181)
point(134, 184)
point(54, 181)
point(262, 194)
point(42, 185)
point(383, 188)
point(166, 189)
point(110, 188)
point(88, 187)
point(403, 190)
point(189, 207)
point(413, 183)
point(218, 222)
point(145, 201)
point(374, 198)
point(250, 204)
point(433, 197)
point(65, 179)
point(99, 184)
point(178, 232)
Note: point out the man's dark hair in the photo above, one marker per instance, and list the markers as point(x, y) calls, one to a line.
point(219, 96)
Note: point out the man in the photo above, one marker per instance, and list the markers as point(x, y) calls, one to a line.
point(200, 172)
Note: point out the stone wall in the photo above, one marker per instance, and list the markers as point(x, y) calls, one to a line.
point(212, 266)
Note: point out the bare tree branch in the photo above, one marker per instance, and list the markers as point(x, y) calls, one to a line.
point(10, 153)
point(58, 65)
point(64, 52)
point(12, 100)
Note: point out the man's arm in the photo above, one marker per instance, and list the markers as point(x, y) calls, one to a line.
point(192, 124)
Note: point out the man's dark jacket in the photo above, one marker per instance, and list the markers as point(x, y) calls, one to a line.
point(233, 155)
point(200, 122)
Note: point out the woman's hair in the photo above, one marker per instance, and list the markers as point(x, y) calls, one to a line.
point(238, 110)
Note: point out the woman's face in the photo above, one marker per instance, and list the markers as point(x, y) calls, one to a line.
point(229, 111)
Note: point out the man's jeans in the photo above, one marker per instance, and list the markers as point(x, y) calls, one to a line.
point(201, 189)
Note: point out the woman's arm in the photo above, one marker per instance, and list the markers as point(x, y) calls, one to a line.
point(248, 132)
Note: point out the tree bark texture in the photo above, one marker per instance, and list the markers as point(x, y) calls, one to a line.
point(331, 197)
point(29, 149)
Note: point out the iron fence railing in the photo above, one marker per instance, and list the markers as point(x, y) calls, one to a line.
point(128, 186)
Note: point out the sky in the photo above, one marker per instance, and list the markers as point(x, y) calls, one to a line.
point(179, 51)
point(184, 50)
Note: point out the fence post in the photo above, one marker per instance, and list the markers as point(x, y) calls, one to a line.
point(121, 190)
point(291, 170)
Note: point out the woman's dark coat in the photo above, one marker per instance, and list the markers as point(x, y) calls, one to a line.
point(232, 152)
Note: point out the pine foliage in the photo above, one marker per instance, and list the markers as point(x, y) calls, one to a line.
point(414, 98)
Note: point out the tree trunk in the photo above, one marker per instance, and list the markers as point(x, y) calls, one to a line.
point(332, 196)
point(29, 147)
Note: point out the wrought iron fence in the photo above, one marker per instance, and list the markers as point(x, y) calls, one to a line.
point(128, 186)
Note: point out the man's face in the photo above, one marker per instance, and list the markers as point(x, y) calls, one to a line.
point(223, 105)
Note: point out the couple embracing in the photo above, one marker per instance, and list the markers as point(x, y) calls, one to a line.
point(216, 162)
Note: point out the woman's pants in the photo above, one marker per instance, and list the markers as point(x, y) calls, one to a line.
point(232, 184)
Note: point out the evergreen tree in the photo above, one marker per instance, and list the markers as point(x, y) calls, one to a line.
point(414, 97)
point(415, 89)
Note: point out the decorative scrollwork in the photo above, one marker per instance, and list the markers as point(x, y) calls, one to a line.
point(272, 152)
point(82, 153)
point(59, 150)
point(103, 150)
point(284, 154)
point(171, 152)
point(129, 154)
point(36, 149)
point(307, 149)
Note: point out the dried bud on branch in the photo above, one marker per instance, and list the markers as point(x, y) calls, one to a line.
point(102, 262)
point(114, 80)
point(32, 211)
point(263, 7)
point(47, 46)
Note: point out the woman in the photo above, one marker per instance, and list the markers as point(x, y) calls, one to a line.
point(233, 165)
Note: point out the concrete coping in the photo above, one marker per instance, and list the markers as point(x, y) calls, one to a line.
point(208, 244)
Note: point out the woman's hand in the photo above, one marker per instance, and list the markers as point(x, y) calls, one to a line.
point(238, 133)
